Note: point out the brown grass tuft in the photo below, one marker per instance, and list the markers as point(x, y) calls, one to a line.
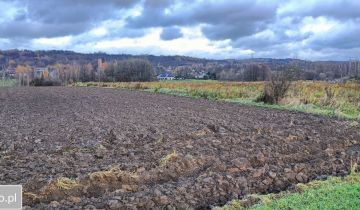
point(66, 183)
point(113, 175)
point(172, 157)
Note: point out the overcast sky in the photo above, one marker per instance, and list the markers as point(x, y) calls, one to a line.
point(307, 29)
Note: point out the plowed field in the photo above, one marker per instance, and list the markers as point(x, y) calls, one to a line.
point(97, 148)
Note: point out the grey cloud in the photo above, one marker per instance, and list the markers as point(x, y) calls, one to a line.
point(52, 18)
point(243, 22)
point(224, 31)
point(128, 33)
point(18, 29)
point(170, 33)
point(265, 41)
point(236, 19)
point(15, 43)
point(224, 19)
point(70, 11)
point(160, 4)
point(338, 9)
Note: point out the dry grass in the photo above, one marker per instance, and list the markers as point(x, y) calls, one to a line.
point(353, 168)
point(113, 175)
point(32, 196)
point(335, 99)
point(169, 158)
point(66, 183)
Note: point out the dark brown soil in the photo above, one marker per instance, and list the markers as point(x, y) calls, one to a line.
point(116, 149)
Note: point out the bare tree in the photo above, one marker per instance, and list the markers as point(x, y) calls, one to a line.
point(130, 70)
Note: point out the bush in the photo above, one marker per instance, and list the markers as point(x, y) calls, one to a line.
point(138, 86)
point(44, 82)
point(329, 95)
point(275, 90)
point(277, 87)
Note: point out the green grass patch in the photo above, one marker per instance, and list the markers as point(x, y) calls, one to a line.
point(307, 108)
point(7, 83)
point(334, 193)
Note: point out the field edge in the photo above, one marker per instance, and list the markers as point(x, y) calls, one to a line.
point(332, 194)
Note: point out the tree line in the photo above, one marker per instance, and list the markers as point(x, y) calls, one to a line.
point(188, 67)
point(130, 70)
point(62, 74)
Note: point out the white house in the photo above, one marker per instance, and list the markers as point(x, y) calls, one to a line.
point(166, 76)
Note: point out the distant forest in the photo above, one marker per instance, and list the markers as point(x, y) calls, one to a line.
point(74, 66)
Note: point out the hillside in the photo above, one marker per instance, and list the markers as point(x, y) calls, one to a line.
point(190, 67)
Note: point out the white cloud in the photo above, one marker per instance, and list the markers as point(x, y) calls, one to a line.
point(99, 32)
point(191, 44)
point(52, 42)
point(317, 25)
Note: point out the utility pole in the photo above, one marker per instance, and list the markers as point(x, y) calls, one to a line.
point(27, 79)
point(99, 76)
point(341, 71)
point(357, 68)
point(3, 77)
point(4, 67)
point(19, 79)
point(99, 66)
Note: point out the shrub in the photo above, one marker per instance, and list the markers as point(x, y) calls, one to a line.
point(329, 95)
point(157, 89)
point(277, 87)
point(137, 86)
point(274, 91)
point(44, 82)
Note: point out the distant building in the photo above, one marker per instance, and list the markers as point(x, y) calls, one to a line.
point(11, 71)
point(102, 65)
point(201, 75)
point(53, 72)
point(165, 76)
point(39, 72)
point(46, 73)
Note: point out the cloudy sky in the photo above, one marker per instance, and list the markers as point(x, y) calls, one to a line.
point(307, 29)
